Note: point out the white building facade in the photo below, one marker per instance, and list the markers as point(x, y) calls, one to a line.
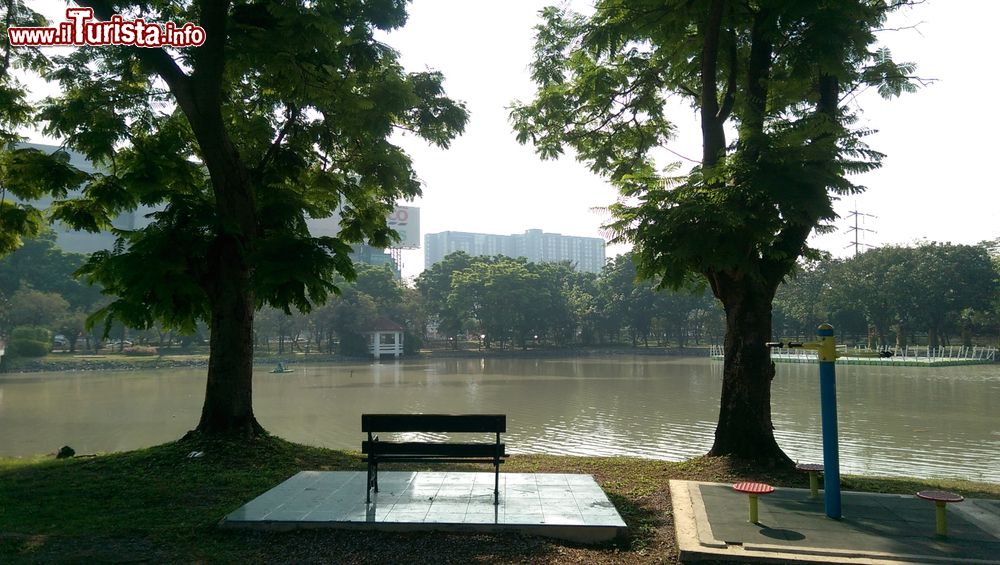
point(585, 253)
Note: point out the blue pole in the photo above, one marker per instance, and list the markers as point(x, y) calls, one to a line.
point(828, 406)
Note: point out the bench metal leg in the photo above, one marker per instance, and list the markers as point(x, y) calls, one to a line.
point(496, 473)
point(372, 480)
point(372, 468)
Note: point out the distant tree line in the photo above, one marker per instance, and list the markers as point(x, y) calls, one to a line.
point(896, 296)
point(515, 303)
point(890, 296)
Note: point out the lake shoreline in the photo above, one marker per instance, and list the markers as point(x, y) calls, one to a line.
point(114, 362)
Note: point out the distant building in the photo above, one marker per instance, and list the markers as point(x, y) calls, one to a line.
point(585, 253)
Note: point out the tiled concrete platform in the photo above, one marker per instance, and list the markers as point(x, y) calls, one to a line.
point(711, 522)
point(571, 507)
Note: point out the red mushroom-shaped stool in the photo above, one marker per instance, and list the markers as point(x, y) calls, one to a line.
point(941, 499)
point(814, 470)
point(754, 490)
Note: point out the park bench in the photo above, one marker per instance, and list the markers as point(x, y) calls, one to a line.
point(377, 451)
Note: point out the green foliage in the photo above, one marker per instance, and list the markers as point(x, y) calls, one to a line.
point(434, 284)
point(353, 344)
point(412, 343)
point(307, 121)
point(31, 333)
point(29, 306)
point(39, 264)
point(932, 288)
point(512, 301)
point(25, 174)
point(29, 341)
point(746, 207)
point(28, 348)
point(773, 72)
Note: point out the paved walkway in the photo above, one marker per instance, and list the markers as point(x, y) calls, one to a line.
point(571, 507)
point(711, 521)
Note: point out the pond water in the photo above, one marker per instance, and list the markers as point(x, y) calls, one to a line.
point(915, 421)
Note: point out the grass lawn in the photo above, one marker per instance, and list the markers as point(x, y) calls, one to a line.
point(157, 505)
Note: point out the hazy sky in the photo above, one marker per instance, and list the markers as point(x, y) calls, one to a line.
point(937, 181)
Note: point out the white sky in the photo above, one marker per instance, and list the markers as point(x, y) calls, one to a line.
point(936, 182)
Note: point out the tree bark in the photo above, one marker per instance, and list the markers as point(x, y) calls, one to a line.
point(745, 429)
point(228, 408)
point(713, 134)
point(932, 337)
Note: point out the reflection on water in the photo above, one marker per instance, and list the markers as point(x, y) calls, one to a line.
point(928, 422)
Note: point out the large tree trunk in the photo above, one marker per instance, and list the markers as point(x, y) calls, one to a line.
point(228, 408)
point(744, 428)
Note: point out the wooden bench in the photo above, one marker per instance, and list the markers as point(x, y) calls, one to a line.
point(429, 452)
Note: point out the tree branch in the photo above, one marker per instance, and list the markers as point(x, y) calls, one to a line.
point(210, 56)
point(157, 59)
point(729, 98)
point(713, 135)
point(293, 116)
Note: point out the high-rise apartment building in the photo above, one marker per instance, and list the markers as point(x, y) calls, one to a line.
point(585, 253)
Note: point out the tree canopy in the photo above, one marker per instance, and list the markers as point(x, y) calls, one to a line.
point(777, 77)
point(285, 113)
point(26, 174)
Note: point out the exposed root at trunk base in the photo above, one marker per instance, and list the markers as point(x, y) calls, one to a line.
point(247, 430)
point(770, 461)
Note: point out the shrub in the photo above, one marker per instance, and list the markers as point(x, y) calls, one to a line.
point(31, 333)
point(411, 343)
point(28, 348)
point(29, 341)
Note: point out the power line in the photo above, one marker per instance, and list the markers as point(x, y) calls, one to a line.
point(857, 231)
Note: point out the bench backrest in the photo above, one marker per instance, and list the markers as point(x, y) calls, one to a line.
point(433, 422)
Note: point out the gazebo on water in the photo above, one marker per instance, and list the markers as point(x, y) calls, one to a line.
point(385, 337)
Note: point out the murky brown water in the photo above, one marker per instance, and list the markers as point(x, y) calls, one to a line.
point(927, 422)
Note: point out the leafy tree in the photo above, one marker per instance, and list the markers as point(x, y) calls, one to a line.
point(71, 325)
point(864, 282)
point(381, 285)
point(26, 174)
point(285, 112)
point(631, 300)
point(773, 72)
point(31, 307)
point(30, 341)
point(41, 265)
point(434, 285)
point(802, 299)
point(275, 323)
point(581, 297)
point(948, 279)
point(614, 287)
point(498, 291)
point(352, 311)
point(686, 313)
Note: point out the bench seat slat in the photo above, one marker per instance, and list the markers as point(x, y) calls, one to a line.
point(390, 449)
point(434, 423)
point(429, 460)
